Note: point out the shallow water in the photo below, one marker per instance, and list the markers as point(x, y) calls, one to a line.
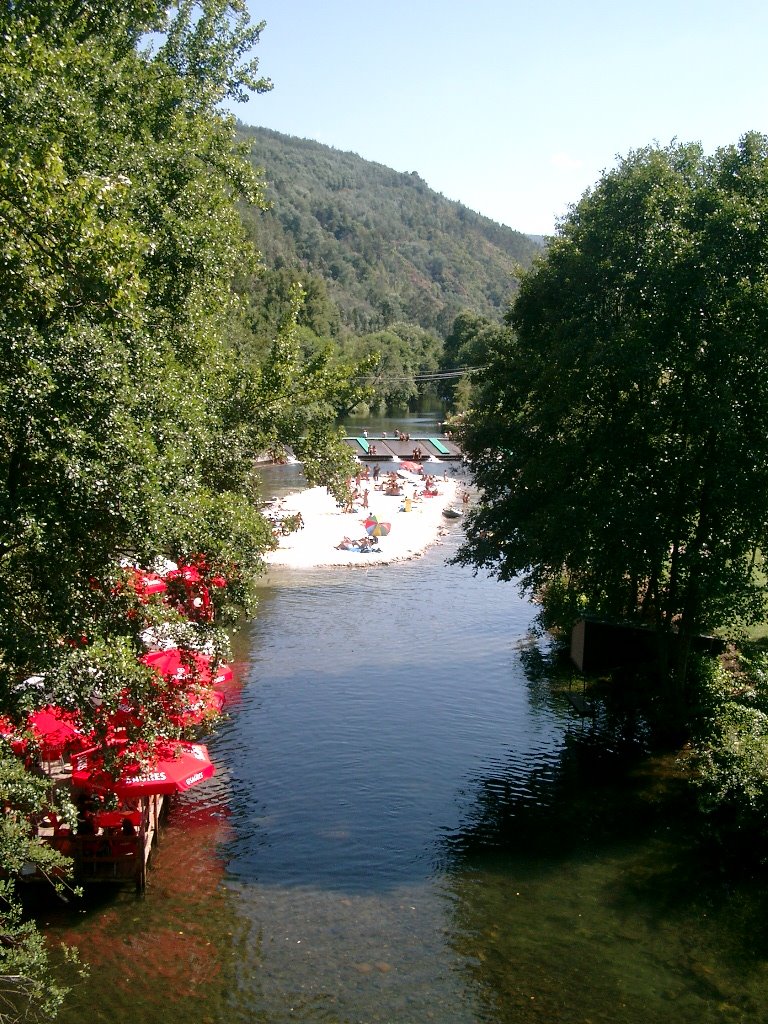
point(409, 824)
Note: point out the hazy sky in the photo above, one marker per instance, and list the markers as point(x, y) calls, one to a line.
point(512, 108)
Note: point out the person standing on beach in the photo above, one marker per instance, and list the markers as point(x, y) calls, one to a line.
point(365, 498)
point(376, 471)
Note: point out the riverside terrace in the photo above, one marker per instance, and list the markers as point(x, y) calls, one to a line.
point(381, 448)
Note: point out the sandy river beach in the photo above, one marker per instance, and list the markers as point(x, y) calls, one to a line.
point(326, 525)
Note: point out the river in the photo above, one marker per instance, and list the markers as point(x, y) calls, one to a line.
point(409, 823)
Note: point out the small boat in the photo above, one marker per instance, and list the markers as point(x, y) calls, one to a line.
point(452, 513)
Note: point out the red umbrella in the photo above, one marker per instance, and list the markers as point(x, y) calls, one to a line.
point(198, 707)
point(57, 731)
point(180, 666)
point(169, 663)
point(175, 767)
point(147, 583)
point(223, 673)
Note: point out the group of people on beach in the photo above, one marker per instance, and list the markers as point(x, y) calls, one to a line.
point(392, 485)
point(356, 493)
point(363, 545)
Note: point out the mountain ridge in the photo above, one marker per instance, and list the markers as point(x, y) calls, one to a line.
point(387, 248)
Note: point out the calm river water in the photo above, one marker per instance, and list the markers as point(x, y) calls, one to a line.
point(408, 824)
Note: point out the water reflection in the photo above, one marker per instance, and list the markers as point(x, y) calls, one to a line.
point(352, 746)
point(583, 893)
point(410, 823)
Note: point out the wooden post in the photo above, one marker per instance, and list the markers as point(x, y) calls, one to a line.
point(141, 874)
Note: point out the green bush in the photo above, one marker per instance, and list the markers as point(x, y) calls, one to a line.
point(732, 752)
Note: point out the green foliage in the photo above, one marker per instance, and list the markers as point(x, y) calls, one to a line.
point(27, 990)
point(618, 432)
point(211, 51)
point(387, 247)
point(397, 357)
point(561, 606)
point(120, 240)
point(731, 752)
point(465, 347)
point(297, 401)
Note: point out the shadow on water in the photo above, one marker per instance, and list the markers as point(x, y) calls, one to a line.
point(583, 892)
point(582, 796)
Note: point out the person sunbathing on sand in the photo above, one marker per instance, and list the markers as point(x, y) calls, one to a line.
point(362, 546)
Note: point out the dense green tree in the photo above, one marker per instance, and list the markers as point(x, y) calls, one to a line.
point(398, 355)
point(618, 434)
point(119, 237)
point(267, 293)
point(128, 421)
point(465, 349)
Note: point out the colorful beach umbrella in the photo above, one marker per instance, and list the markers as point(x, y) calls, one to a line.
point(378, 529)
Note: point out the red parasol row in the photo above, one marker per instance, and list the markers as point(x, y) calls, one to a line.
point(185, 690)
point(186, 680)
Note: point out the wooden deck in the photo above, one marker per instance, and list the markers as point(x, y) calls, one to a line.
point(106, 854)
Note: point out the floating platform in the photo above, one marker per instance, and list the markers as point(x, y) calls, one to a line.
point(379, 448)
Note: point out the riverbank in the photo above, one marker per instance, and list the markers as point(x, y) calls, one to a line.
point(326, 526)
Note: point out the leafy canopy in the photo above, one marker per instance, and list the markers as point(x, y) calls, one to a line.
point(618, 433)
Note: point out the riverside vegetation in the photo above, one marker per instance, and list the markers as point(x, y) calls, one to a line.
point(148, 355)
point(617, 435)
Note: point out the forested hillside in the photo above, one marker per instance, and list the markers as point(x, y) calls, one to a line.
point(381, 244)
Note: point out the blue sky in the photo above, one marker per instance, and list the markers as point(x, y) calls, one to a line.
point(512, 108)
